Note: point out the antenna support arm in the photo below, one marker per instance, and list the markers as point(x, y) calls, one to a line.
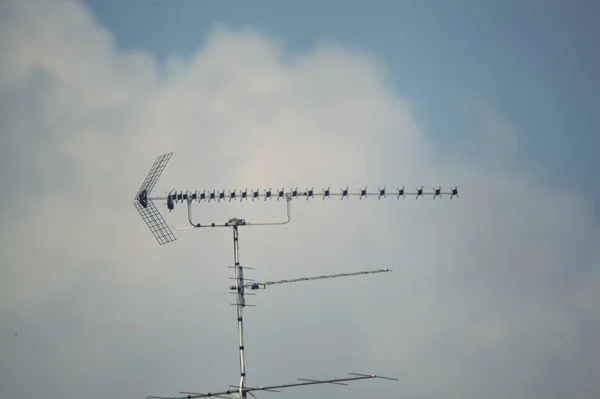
point(236, 221)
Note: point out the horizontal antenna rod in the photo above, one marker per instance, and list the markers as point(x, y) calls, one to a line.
point(143, 200)
point(192, 395)
point(256, 286)
point(218, 196)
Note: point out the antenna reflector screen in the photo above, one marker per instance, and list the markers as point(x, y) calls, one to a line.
point(154, 173)
point(155, 222)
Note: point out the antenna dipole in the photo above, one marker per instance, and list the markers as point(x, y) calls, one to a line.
point(144, 203)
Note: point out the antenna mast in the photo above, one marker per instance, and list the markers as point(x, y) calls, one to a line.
point(163, 234)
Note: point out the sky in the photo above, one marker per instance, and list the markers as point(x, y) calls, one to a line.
point(493, 294)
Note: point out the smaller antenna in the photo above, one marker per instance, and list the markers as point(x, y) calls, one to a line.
point(231, 393)
point(256, 285)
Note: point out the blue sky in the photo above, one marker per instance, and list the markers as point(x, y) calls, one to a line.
point(535, 63)
point(495, 292)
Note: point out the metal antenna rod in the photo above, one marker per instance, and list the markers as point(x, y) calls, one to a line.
point(241, 302)
point(175, 197)
point(275, 388)
point(256, 286)
point(235, 221)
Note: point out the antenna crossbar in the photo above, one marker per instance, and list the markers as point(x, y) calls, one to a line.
point(275, 388)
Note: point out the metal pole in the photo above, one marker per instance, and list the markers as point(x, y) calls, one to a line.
point(239, 285)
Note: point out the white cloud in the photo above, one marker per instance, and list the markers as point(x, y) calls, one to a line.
point(482, 288)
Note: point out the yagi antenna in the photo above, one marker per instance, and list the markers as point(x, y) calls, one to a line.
point(163, 234)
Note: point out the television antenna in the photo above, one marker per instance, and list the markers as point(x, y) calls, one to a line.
point(144, 203)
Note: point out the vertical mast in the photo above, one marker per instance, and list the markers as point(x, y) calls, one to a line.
point(240, 303)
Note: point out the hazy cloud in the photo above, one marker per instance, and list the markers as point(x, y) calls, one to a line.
point(482, 290)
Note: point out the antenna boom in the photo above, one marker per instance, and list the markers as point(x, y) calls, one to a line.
point(255, 286)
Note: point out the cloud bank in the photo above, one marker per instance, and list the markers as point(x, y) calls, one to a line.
point(483, 288)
